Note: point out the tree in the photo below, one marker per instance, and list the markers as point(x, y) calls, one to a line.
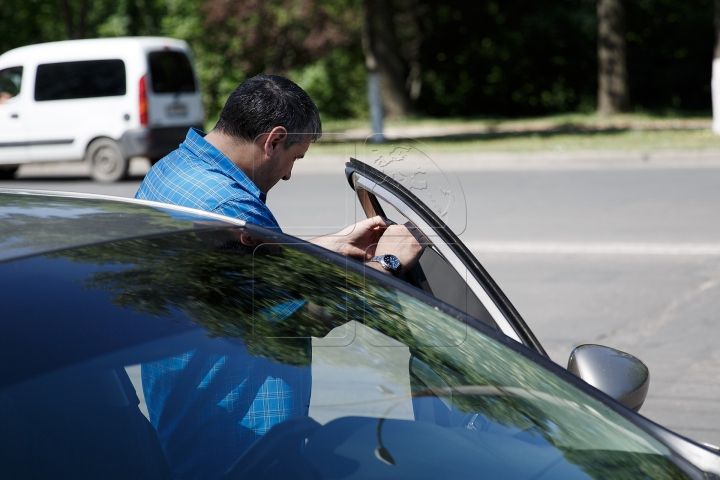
point(75, 17)
point(373, 75)
point(613, 90)
point(432, 57)
point(382, 53)
point(506, 58)
point(284, 37)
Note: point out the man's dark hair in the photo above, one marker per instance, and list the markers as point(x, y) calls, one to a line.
point(264, 102)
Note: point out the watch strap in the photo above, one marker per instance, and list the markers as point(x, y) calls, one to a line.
point(386, 262)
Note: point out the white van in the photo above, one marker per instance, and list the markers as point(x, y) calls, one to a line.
point(101, 100)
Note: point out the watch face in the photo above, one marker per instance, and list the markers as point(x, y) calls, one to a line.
point(391, 262)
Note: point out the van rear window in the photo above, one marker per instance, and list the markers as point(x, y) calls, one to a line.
point(171, 72)
point(85, 79)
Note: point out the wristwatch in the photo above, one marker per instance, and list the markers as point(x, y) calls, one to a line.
point(389, 263)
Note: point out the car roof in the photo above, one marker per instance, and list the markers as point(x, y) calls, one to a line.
point(34, 222)
point(88, 48)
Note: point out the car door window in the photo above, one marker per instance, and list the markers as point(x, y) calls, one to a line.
point(10, 83)
point(437, 276)
point(13, 137)
point(447, 269)
point(83, 79)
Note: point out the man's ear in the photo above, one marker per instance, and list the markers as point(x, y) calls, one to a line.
point(274, 140)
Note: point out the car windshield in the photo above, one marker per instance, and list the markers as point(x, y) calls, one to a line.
point(197, 355)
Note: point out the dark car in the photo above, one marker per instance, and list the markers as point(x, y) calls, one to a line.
point(142, 340)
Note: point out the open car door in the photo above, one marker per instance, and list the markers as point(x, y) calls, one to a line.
point(446, 270)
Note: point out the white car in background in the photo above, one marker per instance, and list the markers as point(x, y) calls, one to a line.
point(98, 100)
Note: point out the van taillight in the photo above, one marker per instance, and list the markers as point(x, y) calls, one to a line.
point(143, 102)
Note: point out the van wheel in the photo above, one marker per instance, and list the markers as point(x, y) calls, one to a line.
point(107, 162)
point(7, 172)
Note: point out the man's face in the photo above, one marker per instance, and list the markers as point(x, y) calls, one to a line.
point(280, 165)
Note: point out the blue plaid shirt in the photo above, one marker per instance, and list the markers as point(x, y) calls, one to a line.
point(208, 408)
point(198, 175)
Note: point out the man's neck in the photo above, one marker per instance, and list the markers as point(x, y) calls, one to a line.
point(242, 153)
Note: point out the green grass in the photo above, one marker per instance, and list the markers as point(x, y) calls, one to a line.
point(628, 140)
point(550, 121)
point(566, 132)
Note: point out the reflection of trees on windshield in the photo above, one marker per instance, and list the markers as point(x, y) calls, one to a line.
point(226, 290)
point(224, 287)
point(601, 464)
point(44, 222)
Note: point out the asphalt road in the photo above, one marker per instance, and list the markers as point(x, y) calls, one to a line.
point(625, 255)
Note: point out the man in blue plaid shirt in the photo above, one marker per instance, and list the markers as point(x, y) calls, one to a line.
point(267, 124)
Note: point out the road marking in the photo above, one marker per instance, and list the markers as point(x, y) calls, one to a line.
point(667, 249)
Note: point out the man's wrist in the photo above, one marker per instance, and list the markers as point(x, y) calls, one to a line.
point(377, 266)
point(326, 241)
point(390, 263)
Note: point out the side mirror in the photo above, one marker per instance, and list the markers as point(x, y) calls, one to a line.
point(618, 374)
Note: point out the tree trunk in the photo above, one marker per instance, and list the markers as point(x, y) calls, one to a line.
point(74, 29)
point(373, 76)
point(613, 92)
point(715, 82)
point(68, 18)
point(383, 47)
point(82, 19)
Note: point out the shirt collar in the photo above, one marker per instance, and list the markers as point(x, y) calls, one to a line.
point(196, 143)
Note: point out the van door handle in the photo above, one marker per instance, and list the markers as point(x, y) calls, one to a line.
point(14, 115)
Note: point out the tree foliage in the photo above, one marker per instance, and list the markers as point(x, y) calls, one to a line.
point(453, 57)
point(670, 51)
point(315, 42)
point(507, 58)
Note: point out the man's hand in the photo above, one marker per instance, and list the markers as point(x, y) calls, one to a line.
point(404, 241)
point(357, 241)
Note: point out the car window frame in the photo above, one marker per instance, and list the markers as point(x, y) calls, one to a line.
point(374, 182)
